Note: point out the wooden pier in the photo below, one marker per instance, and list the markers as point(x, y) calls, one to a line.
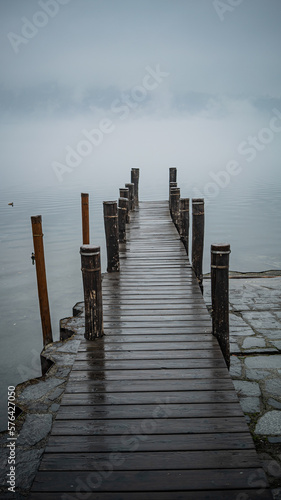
point(150, 411)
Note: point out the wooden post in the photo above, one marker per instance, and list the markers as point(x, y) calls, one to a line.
point(123, 204)
point(85, 218)
point(111, 234)
point(198, 238)
point(124, 193)
point(171, 185)
point(91, 274)
point(135, 174)
point(36, 223)
point(184, 222)
point(220, 296)
point(131, 188)
point(175, 206)
point(173, 174)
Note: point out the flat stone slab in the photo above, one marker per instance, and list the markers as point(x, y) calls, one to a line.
point(274, 403)
point(273, 386)
point(37, 391)
point(235, 367)
point(250, 404)
point(253, 342)
point(269, 424)
point(26, 465)
point(258, 374)
point(35, 428)
point(268, 362)
point(245, 388)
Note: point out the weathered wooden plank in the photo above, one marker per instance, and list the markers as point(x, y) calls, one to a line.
point(141, 410)
point(249, 494)
point(152, 460)
point(164, 374)
point(147, 364)
point(166, 442)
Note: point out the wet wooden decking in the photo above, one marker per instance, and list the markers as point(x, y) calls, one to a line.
point(150, 411)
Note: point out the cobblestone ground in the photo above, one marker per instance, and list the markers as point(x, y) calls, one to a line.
point(255, 346)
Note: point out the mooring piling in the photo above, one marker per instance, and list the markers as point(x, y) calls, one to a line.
point(175, 205)
point(220, 296)
point(198, 238)
point(124, 193)
point(110, 213)
point(184, 222)
point(131, 188)
point(135, 174)
point(85, 218)
point(123, 207)
point(173, 174)
point(91, 274)
point(36, 223)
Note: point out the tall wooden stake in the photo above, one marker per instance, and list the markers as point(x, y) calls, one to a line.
point(131, 188)
point(135, 174)
point(91, 274)
point(220, 296)
point(36, 223)
point(112, 235)
point(124, 193)
point(184, 222)
point(85, 218)
point(123, 207)
point(173, 174)
point(175, 206)
point(171, 185)
point(198, 238)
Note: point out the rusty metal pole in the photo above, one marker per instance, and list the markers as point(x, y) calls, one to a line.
point(184, 222)
point(198, 238)
point(135, 174)
point(91, 274)
point(36, 223)
point(112, 235)
point(220, 296)
point(85, 218)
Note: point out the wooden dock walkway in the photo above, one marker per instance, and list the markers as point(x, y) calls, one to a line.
point(150, 411)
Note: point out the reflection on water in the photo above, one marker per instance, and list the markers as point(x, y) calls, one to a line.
point(244, 214)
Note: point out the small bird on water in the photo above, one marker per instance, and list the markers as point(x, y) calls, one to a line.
point(33, 258)
point(12, 204)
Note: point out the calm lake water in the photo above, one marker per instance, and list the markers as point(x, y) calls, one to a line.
point(246, 214)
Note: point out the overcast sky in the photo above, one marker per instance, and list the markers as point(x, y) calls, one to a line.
point(162, 82)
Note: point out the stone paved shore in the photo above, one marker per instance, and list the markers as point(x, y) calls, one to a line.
point(255, 334)
point(255, 346)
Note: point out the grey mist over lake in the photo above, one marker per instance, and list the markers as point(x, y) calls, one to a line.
point(90, 89)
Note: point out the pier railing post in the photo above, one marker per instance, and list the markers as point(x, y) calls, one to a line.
point(175, 206)
point(91, 274)
point(131, 188)
point(198, 238)
point(220, 296)
point(124, 193)
point(111, 234)
point(85, 218)
point(171, 185)
point(172, 174)
point(184, 222)
point(135, 174)
point(36, 223)
point(123, 204)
